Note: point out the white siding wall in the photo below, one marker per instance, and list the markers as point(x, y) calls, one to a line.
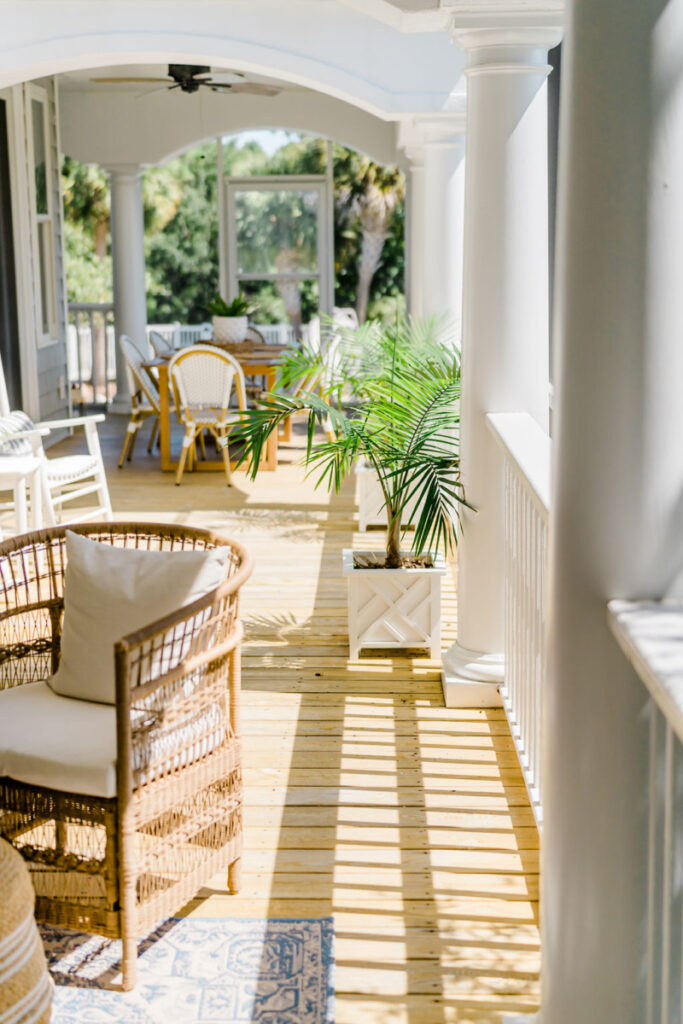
point(42, 367)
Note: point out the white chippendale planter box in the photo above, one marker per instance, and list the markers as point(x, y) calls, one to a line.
point(394, 608)
point(371, 508)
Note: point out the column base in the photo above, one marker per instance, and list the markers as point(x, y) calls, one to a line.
point(471, 679)
point(120, 406)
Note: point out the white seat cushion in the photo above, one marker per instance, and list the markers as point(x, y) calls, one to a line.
point(52, 741)
point(70, 745)
point(110, 592)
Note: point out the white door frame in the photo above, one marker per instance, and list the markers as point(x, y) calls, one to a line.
point(23, 247)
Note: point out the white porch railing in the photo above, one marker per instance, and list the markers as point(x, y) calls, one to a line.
point(526, 449)
point(91, 346)
point(179, 335)
point(651, 636)
point(90, 350)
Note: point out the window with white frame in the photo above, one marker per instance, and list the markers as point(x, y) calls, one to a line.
point(279, 246)
point(43, 214)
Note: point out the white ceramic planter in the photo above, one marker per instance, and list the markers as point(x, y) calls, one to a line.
point(371, 510)
point(229, 329)
point(394, 608)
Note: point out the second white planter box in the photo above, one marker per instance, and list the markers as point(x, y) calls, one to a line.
point(371, 506)
point(394, 608)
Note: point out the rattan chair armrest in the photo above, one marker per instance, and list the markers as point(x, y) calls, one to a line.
point(189, 665)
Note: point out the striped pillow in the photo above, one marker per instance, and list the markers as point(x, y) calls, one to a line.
point(13, 424)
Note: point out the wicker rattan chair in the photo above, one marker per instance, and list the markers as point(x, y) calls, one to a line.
point(117, 866)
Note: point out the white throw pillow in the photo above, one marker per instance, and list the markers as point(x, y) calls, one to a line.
point(109, 592)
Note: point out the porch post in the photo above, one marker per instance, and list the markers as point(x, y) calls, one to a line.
point(128, 265)
point(618, 480)
point(436, 150)
point(505, 312)
point(415, 228)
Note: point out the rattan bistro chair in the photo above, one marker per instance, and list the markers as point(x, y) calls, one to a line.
point(203, 378)
point(144, 398)
point(118, 865)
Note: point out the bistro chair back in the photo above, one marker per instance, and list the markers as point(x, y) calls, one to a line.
point(203, 379)
point(161, 345)
point(144, 396)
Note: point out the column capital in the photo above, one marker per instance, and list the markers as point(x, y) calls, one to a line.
point(124, 172)
point(506, 36)
point(417, 134)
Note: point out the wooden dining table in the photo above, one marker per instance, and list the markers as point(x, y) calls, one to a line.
point(258, 362)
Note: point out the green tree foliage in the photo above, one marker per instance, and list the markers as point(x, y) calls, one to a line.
point(181, 204)
point(182, 259)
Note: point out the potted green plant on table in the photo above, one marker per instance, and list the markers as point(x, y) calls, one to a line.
point(388, 396)
point(229, 319)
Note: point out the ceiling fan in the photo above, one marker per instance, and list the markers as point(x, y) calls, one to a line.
point(189, 77)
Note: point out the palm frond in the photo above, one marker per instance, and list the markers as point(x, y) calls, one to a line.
point(390, 395)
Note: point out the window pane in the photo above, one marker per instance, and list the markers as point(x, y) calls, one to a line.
point(293, 304)
point(39, 155)
point(44, 255)
point(276, 231)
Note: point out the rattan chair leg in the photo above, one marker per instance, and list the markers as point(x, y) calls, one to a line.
point(130, 430)
point(286, 434)
point(187, 443)
point(152, 436)
point(133, 439)
point(202, 446)
point(235, 876)
point(129, 961)
point(226, 462)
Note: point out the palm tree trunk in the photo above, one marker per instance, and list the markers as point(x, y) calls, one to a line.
point(100, 236)
point(371, 253)
point(393, 541)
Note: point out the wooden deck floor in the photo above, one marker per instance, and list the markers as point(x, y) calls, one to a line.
point(365, 799)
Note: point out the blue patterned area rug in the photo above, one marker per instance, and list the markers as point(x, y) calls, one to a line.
point(199, 971)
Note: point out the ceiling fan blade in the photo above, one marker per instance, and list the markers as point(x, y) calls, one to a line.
point(226, 77)
point(255, 88)
point(153, 92)
point(107, 80)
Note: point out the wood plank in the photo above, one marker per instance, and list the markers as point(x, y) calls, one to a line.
point(383, 778)
point(350, 885)
point(478, 799)
point(378, 914)
point(288, 837)
point(360, 817)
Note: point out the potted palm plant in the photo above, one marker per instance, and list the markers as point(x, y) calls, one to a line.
point(388, 396)
point(229, 319)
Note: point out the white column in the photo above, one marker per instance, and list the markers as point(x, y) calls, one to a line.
point(443, 204)
point(128, 265)
point(505, 318)
point(618, 481)
point(415, 209)
point(436, 150)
